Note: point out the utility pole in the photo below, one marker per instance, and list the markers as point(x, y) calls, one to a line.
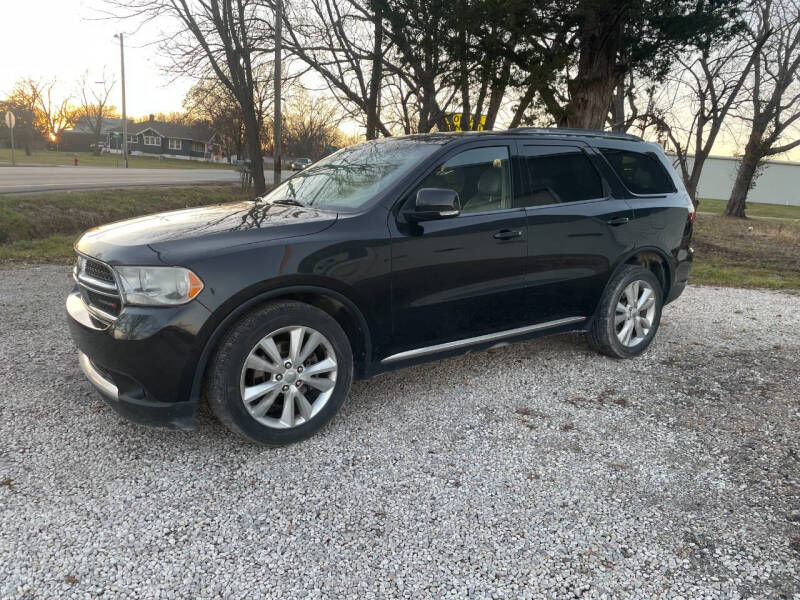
point(124, 114)
point(276, 173)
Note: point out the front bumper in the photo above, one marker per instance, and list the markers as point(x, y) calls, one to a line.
point(144, 362)
point(174, 415)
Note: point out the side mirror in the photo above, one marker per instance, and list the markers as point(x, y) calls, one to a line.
point(435, 203)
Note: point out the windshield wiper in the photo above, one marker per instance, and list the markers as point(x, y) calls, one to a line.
point(287, 202)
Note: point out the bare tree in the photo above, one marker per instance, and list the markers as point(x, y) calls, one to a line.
point(772, 111)
point(700, 93)
point(344, 42)
point(57, 113)
point(212, 102)
point(94, 102)
point(219, 38)
point(311, 125)
point(23, 102)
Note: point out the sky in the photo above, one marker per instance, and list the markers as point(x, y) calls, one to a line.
point(63, 38)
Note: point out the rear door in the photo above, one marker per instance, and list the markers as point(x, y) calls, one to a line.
point(576, 229)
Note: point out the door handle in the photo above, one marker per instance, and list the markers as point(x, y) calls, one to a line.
point(618, 221)
point(507, 234)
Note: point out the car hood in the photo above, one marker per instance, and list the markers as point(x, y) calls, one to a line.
point(169, 236)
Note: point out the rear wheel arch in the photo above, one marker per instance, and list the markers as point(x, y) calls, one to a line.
point(656, 262)
point(341, 308)
point(652, 259)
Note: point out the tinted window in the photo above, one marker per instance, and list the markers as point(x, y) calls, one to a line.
point(481, 177)
point(558, 174)
point(641, 173)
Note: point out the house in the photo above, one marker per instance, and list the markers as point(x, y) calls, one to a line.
point(158, 138)
point(81, 136)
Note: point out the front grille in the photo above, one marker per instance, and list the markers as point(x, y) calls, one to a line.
point(99, 271)
point(98, 287)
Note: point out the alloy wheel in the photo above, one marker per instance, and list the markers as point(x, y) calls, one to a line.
point(634, 314)
point(288, 377)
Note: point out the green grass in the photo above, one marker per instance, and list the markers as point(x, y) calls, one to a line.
point(762, 253)
point(87, 159)
point(707, 273)
point(42, 228)
point(52, 249)
point(778, 211)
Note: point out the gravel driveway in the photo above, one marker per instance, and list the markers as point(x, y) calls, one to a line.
point(539, 470)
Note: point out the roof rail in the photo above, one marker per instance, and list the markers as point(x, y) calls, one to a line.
point(577, 132)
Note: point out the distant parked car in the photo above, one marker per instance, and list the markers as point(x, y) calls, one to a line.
point(298, 164)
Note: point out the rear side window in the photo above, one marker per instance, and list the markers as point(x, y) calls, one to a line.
point(641, 173)
point(558, 174)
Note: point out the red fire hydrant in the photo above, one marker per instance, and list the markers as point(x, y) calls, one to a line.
point(76, 160)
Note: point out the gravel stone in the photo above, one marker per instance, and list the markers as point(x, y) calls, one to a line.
point(537, 470)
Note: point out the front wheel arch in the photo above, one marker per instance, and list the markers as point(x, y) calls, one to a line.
point(362, 349)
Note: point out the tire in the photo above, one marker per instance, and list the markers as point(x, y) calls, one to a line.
point(606, 328)
point(241, 368)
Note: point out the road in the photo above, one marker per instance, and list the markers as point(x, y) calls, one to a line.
point(14, 180)
point(537, 470)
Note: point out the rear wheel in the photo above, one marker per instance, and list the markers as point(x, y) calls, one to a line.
point(280, 373)
point(629, 313)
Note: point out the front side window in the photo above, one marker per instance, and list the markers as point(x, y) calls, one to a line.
point(641, 173)
point(198, 147)
point(480, 176)
point(351, 177)
point(151, 140)
point(175, 144)
point(131, 139)
point(558, 174)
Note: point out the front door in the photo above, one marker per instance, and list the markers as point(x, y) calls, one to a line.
point(461, 277)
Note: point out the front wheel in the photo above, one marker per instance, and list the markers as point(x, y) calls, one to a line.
point(280, 373)
point(629, 313)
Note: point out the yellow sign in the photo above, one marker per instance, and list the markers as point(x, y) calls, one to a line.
point(453, 122)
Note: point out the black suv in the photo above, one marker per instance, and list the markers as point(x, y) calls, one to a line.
point(382, 255)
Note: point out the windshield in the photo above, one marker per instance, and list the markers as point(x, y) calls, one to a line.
point(353, 175)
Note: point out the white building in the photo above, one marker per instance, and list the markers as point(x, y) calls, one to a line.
point(779, 182)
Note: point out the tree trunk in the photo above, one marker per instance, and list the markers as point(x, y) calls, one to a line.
point(618, 108)
point(375, 80)
point(592, 89)
point(463, 72)
point(254, 150)
point(741, 186)
point(523, 105)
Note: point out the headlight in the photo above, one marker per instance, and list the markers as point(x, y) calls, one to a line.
point(158, 286)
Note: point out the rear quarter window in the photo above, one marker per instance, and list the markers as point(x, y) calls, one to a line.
point(642, 173)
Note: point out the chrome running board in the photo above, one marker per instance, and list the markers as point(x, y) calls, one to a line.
point(489, 337)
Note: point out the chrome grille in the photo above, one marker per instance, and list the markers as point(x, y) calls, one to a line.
point(98, 287)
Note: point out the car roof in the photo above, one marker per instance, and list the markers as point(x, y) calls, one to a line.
point(448, 137)
point(573, 131)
